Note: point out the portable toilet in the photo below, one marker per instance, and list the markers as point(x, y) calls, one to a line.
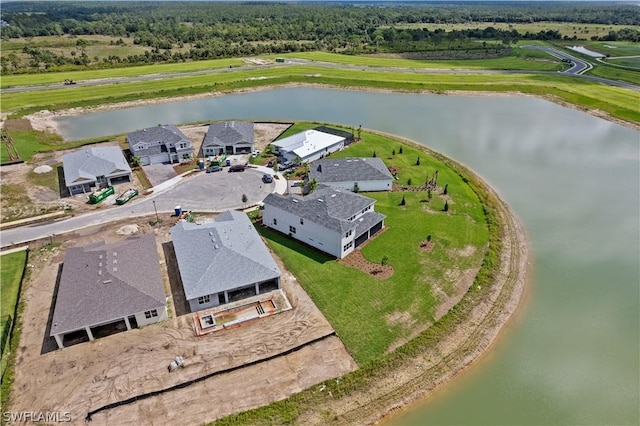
point(201, 164)
point(178, 210)
point(228, 162)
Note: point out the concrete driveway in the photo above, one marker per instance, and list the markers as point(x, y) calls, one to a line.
point(216, 191)
point(158, 173)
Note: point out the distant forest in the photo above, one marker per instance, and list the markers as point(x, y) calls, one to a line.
point(180, 31)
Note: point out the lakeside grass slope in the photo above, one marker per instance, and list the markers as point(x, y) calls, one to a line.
point(373, 316)
point(618, 102)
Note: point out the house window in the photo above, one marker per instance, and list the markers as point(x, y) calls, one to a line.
point(347, 246)
point(292, 229)
point(275, 221)
point(151, 314)
point(204, 299)
point(301, 221)
point(348, 234)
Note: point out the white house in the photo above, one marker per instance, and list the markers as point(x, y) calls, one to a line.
point(160, 144)
point(352, 174)
point(223, 261)
point(329, 219)
point(309, 145)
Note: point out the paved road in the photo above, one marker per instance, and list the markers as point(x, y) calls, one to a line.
point(578, 66)
point(206, 192)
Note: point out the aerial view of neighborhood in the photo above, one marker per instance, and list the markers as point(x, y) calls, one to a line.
point(319, 213)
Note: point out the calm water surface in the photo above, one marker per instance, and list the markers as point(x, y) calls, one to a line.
point(573, 357)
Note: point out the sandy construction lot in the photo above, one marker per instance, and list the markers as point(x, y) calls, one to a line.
point(90, 375)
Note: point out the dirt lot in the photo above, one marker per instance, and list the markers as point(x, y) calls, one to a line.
point(87, 376)
point(26, 194)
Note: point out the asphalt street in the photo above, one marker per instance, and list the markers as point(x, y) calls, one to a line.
point(204, 192)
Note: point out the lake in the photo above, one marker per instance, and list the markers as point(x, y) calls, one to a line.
point(573, 354)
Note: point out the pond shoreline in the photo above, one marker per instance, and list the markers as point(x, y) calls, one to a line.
point(471, 338)
point(45, 120)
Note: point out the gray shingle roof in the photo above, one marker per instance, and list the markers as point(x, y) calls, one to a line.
point(222, 255)
point(366, 221)
point(101, 283)
point(349, 169)
point(86, 165)
point(326, 206)
point(229, 133)
point(156, 138)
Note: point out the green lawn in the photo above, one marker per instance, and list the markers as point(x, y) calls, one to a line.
point(372, 316)
point(11, 267)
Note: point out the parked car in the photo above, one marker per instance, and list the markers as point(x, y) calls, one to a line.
point(286, 165)
point(212, 169)
point(254, 154)
point(237, 168)
point(267, 178)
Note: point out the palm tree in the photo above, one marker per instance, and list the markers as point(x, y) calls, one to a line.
point(313, 184)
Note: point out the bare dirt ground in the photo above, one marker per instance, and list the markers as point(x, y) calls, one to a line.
point(87, 376)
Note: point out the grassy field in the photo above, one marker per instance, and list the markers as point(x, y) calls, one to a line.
point(525, 60)
point(372, 316)
point(11, 268)
point(59, 77)
point(581, 31)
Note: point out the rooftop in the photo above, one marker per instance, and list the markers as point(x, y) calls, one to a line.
point(229, 133)
point(308, 142)
point(86, 165)
point(104, 282)
point(349, 169)
point(222, 255)
point(326, 206)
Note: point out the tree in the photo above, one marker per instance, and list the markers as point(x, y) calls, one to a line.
point(135, 161)
point(409, 181)
point(374, 154)
point(275, 165)
point(446, 189)
point(356, 188)
point(400, 150)
point(393, 152)
point(429, 196)
point(313, 184)
point(385, 260)
point(429, 238)
point(418, 162)
point(446, 206)
point(403, 202)
point(244, 199)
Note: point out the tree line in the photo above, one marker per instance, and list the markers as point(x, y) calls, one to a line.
point(182, 31)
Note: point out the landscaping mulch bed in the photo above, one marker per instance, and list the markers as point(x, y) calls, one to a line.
point(356, 259)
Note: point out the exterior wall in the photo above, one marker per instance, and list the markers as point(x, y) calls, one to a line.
point(80, 189)
point(324, 152)
point(211, 151)
point(363, 186)
point(194, 306)
point(142, 321)
point(310, 233)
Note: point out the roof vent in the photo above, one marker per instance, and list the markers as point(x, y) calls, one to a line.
point(99, 272)
point(333, 195)
point(211, 233)
point(321, 200)
point(216, 246)
point(106, 282)
point(115, 261)
point(115, 269)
